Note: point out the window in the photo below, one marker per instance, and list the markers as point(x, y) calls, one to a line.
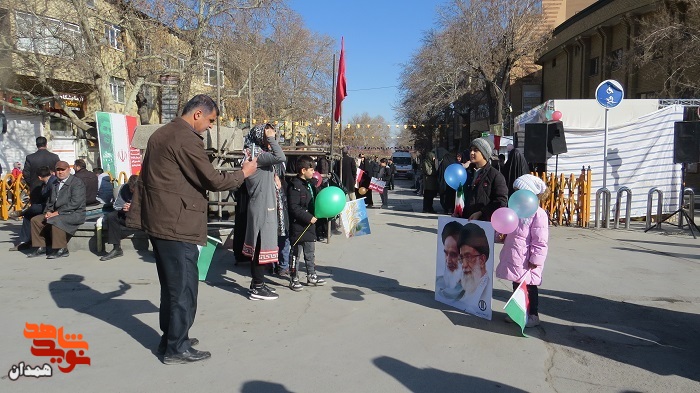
point(116, 85)
point(47, 36)
point(113, 35)
point(210, 74)
point(593, 65)
point(616, 59)
point(554, 62)
point(181, 62)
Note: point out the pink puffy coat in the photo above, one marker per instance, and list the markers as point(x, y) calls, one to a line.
point(526, 245)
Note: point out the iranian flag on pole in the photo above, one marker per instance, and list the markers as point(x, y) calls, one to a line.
point(518, 305)
point(459, 201)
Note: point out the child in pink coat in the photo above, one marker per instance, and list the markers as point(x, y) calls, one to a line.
point(526, 248)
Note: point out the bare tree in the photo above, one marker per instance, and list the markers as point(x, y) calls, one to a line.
point(668, 47)
point(365, 130)
point(290, 67)
point(479, 45)
point(70, 47)
point(202, 23)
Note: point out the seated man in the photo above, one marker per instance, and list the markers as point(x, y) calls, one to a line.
point(115, 219)
point(90, 180)
point(38, 198)
point(64, 213)
point(105, 189)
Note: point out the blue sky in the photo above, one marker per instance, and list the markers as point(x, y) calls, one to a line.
point(380, 36)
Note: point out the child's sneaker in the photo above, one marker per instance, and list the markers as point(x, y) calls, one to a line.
point(273, 290)
point(532, 321)
point(295, 285)
point(262, 293)
point(314, 280)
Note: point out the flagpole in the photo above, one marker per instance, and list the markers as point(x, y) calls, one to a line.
point(332, 109)
point(328, 224)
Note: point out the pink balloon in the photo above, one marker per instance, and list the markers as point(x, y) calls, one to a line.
point(504, 220)
point(556, 116)
point(319, 178)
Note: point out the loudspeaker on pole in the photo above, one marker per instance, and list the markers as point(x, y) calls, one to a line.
point(686, 142)
point(543, 140)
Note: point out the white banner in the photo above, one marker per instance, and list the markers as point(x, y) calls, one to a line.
point(640, 156)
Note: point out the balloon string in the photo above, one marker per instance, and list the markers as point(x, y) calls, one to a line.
point(302, 234)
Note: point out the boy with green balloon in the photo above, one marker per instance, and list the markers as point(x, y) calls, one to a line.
point(300, 197)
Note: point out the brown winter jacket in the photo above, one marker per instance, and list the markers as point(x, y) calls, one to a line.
point(170, 200)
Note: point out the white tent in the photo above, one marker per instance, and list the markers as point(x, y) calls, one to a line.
point(640, 147)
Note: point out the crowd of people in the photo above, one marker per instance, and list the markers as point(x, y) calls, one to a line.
point(275, 221)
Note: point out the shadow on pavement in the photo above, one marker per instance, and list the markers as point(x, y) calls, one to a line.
point(223, 261)
point(658, 243)
point(662, 341)
point(263, 387)
point(414, 228)
point(383, 285)
point(495, 325)
point(70, 292)
point(664, 253)
point(424, 216)
point(431, 380)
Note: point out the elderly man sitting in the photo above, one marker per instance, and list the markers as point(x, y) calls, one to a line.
point(64, 213)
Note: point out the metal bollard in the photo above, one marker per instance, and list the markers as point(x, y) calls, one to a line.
point(606, 208)
point(691, 204)
point(628, 208)
point(659, 206)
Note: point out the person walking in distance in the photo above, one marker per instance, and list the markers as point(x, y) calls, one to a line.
point(170, 205)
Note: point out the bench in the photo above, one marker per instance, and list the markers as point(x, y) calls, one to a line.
point(89, 237)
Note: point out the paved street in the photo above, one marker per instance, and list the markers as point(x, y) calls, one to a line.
point(620, 312)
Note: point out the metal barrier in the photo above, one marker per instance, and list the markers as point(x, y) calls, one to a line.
point(606, 208)
point(659, 206)
point(691, 205)
point(628, 208)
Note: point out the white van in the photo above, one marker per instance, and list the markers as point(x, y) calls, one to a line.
point(404, 164)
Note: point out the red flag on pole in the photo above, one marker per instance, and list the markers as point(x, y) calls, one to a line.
point(340, 89)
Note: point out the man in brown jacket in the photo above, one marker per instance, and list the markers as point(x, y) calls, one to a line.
point(170, 205)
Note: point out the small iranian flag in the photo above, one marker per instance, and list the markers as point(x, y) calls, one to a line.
point(358, 177)
point(459, 201)
point(517, 306)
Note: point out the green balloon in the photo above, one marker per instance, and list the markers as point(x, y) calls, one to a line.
point(329, 202)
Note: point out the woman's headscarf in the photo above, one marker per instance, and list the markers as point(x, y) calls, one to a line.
point(256, 138)
point(515, 167)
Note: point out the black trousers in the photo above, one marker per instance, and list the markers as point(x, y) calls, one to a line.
point(25, 234)
point(177, 272)
point(428, 197)
point(113, 222)
point(257, 271)
point(532, 297)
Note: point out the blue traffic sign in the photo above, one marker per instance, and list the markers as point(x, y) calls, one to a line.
point(609, 93)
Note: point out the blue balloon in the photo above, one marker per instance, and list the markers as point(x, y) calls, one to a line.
point(455, 175)
point(524, 203)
